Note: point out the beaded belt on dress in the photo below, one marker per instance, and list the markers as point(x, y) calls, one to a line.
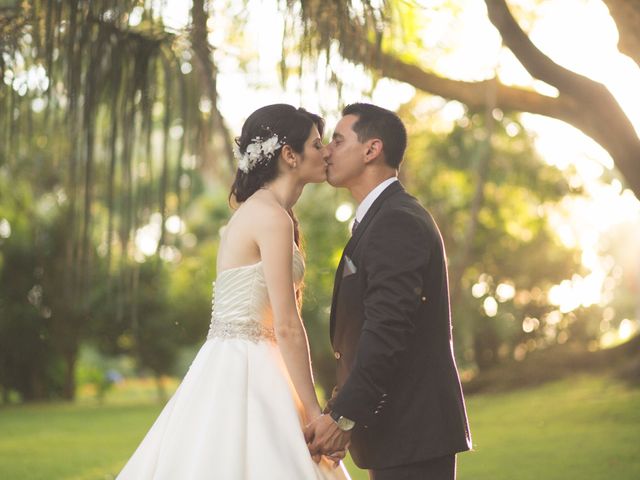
point(247, 330)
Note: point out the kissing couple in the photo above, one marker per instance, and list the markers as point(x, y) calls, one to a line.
point(247, 407)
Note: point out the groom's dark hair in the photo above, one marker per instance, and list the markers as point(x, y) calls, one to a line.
point(378, 122)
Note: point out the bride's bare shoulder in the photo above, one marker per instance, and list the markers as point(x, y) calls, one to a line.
point(263, 213)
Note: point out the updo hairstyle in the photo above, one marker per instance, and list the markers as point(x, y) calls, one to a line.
point(291, 125)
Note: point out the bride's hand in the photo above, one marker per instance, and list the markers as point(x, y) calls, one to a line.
point(310, 418)
point(312, 414)
point(336, 457)
point(308, 430)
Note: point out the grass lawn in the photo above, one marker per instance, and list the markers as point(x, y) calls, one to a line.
point(584, 428)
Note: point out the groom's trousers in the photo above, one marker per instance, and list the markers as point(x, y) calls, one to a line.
point(441, 468)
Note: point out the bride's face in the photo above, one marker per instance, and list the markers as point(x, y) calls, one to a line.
point(312, 167)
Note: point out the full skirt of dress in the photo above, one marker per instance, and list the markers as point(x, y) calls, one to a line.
point(235, 416)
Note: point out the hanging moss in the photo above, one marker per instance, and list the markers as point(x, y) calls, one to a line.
point(79, 77)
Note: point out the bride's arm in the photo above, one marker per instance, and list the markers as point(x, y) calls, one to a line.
point(275, 240)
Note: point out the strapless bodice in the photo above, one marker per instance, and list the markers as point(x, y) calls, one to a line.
point(241, 306)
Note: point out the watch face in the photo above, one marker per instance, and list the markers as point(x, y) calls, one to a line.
point(345, 423)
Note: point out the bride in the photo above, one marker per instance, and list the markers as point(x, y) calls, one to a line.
point(240, 410)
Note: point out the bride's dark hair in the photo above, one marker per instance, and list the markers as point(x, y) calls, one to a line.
point(292, 126)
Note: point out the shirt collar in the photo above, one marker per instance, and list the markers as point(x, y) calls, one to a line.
point(371, 197)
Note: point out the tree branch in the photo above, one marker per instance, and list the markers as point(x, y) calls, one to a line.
point(473, 94)
point(208, 79)
point(589, 106)
point(596, 113)
point(537, 63)
point(626, 14)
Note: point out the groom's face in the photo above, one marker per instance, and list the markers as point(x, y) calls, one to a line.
point(346, 160)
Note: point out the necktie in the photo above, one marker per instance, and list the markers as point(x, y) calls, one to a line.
point(354, 226)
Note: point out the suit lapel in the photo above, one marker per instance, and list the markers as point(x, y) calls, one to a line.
point(336, 286)
point(353, 241)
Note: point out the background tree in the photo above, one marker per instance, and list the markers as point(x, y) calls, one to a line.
point(512, 256)
point(115, 164)
point(385, 38)
point(103, 94)
point(382, 37)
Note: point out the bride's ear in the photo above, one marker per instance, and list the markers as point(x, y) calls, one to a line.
point(289, 156)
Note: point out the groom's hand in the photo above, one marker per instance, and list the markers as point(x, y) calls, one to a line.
point(325, 438)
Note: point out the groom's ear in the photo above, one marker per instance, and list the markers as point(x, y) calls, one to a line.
point(374, 149)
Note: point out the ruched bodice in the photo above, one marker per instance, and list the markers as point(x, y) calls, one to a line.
point(241, 307)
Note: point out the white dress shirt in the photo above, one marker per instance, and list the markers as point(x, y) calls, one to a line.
point(371, 197)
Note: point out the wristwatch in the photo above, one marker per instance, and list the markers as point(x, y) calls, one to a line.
point(345, 424)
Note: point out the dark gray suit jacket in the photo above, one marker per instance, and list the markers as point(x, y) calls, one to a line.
point(391, 335)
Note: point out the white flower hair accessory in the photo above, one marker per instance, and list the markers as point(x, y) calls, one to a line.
point(258, 151)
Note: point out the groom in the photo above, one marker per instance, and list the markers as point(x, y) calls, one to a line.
point(398, 402)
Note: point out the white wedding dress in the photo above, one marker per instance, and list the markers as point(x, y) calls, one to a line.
point(236, 415)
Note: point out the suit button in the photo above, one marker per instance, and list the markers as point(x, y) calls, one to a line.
point(337, 355)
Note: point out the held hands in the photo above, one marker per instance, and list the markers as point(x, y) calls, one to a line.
point(325, 438)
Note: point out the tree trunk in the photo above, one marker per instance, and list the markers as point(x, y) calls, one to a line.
point(69, 387)
point(626, 14)
point(162, 392)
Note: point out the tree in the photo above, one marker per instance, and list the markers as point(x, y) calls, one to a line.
point(109, 77)
point(505, 267)
point(39, 331)
point(366, 37)
point(102, 95)
point(118, 110)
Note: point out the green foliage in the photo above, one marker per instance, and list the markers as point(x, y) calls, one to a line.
point(492, 170)
point(97, 371)
point(33, 338)
point(85, 163)
point(172, 305)
point(39, 314)
point(101, 127)
point(151, 308)
point(323, 240)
